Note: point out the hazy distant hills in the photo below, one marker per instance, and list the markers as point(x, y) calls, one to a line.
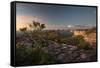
point(68, 27)
point(74, 27)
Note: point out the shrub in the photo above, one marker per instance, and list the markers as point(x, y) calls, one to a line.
point(71, 40)
point(32, 56)
point(84, 45)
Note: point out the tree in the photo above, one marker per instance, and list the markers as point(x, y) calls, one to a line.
point(42, 26)
point(37, 26)
point(33, 25)
point(23, 29)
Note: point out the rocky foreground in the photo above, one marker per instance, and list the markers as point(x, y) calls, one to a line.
point(68, 53)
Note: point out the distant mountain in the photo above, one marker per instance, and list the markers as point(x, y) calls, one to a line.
point(74, 27)
point(65, 27)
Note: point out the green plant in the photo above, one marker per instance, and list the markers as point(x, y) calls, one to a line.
point(84, 45)
point(32, 56)
point(36, 26)
point(23, 29)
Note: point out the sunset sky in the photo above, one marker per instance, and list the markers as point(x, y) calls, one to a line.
point(54, 16)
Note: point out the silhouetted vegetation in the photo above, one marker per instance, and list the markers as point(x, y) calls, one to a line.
point(23, 29)
point(36, 26)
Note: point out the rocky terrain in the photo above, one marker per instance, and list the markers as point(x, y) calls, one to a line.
point(68, 53)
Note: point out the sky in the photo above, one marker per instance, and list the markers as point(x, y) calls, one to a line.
point(54, 16)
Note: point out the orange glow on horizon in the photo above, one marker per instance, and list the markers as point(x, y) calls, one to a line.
point(24, 21)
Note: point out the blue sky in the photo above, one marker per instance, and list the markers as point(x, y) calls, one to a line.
point(57, 14)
